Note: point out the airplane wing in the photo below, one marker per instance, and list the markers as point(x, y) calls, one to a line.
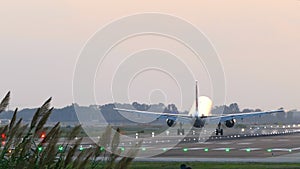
point(154, 113)
point(226, 117)
point(222, 118)
point(184, 118)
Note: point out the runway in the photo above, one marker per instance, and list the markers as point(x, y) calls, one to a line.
point(279, 147)
point(263, 145)
point(253, 147)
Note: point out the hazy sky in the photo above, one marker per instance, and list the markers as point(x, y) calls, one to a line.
point(258, 42)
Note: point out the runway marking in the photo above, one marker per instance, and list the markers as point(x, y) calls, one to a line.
point(251, 149)
point(283, 140)
point(142, 147)
point(205, 143)
point(167, 148)
point(244, 143)
point(197, 148)
point(223, 149)
point(224, 143)
point(298, 148)
point(281, 149)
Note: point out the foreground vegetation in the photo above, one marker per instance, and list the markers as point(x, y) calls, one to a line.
point(214, 165)
point(34, 146)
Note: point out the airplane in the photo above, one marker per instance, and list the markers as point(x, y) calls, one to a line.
point(198, 118)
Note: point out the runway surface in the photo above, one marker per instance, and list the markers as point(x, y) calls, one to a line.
point(279, 147)
point(252, 147)
point(256, 145)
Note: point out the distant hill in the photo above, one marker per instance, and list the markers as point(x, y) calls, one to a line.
point(66, 114)
point(91, 113)
point(95, 113)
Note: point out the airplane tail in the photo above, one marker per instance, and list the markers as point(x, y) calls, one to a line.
point(204, 109)
point(196, 109)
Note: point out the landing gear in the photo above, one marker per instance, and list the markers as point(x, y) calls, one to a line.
point(180, 131)
point(219, 130)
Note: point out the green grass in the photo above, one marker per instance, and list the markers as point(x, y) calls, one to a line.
point(213, 165)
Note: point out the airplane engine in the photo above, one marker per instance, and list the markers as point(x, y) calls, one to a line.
point(230, 123)
point(171, 122)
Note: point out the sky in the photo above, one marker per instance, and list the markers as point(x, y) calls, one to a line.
point(258, 43)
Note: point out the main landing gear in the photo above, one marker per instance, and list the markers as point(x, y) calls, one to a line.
point(180, 131)
point(219, 130)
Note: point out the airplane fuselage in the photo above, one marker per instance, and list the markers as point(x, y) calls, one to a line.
point(199, 122)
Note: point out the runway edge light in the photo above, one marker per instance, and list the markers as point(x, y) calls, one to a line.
point(60, 148)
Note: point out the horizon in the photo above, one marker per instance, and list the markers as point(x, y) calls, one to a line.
point(257, 43)
point(213, 107)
